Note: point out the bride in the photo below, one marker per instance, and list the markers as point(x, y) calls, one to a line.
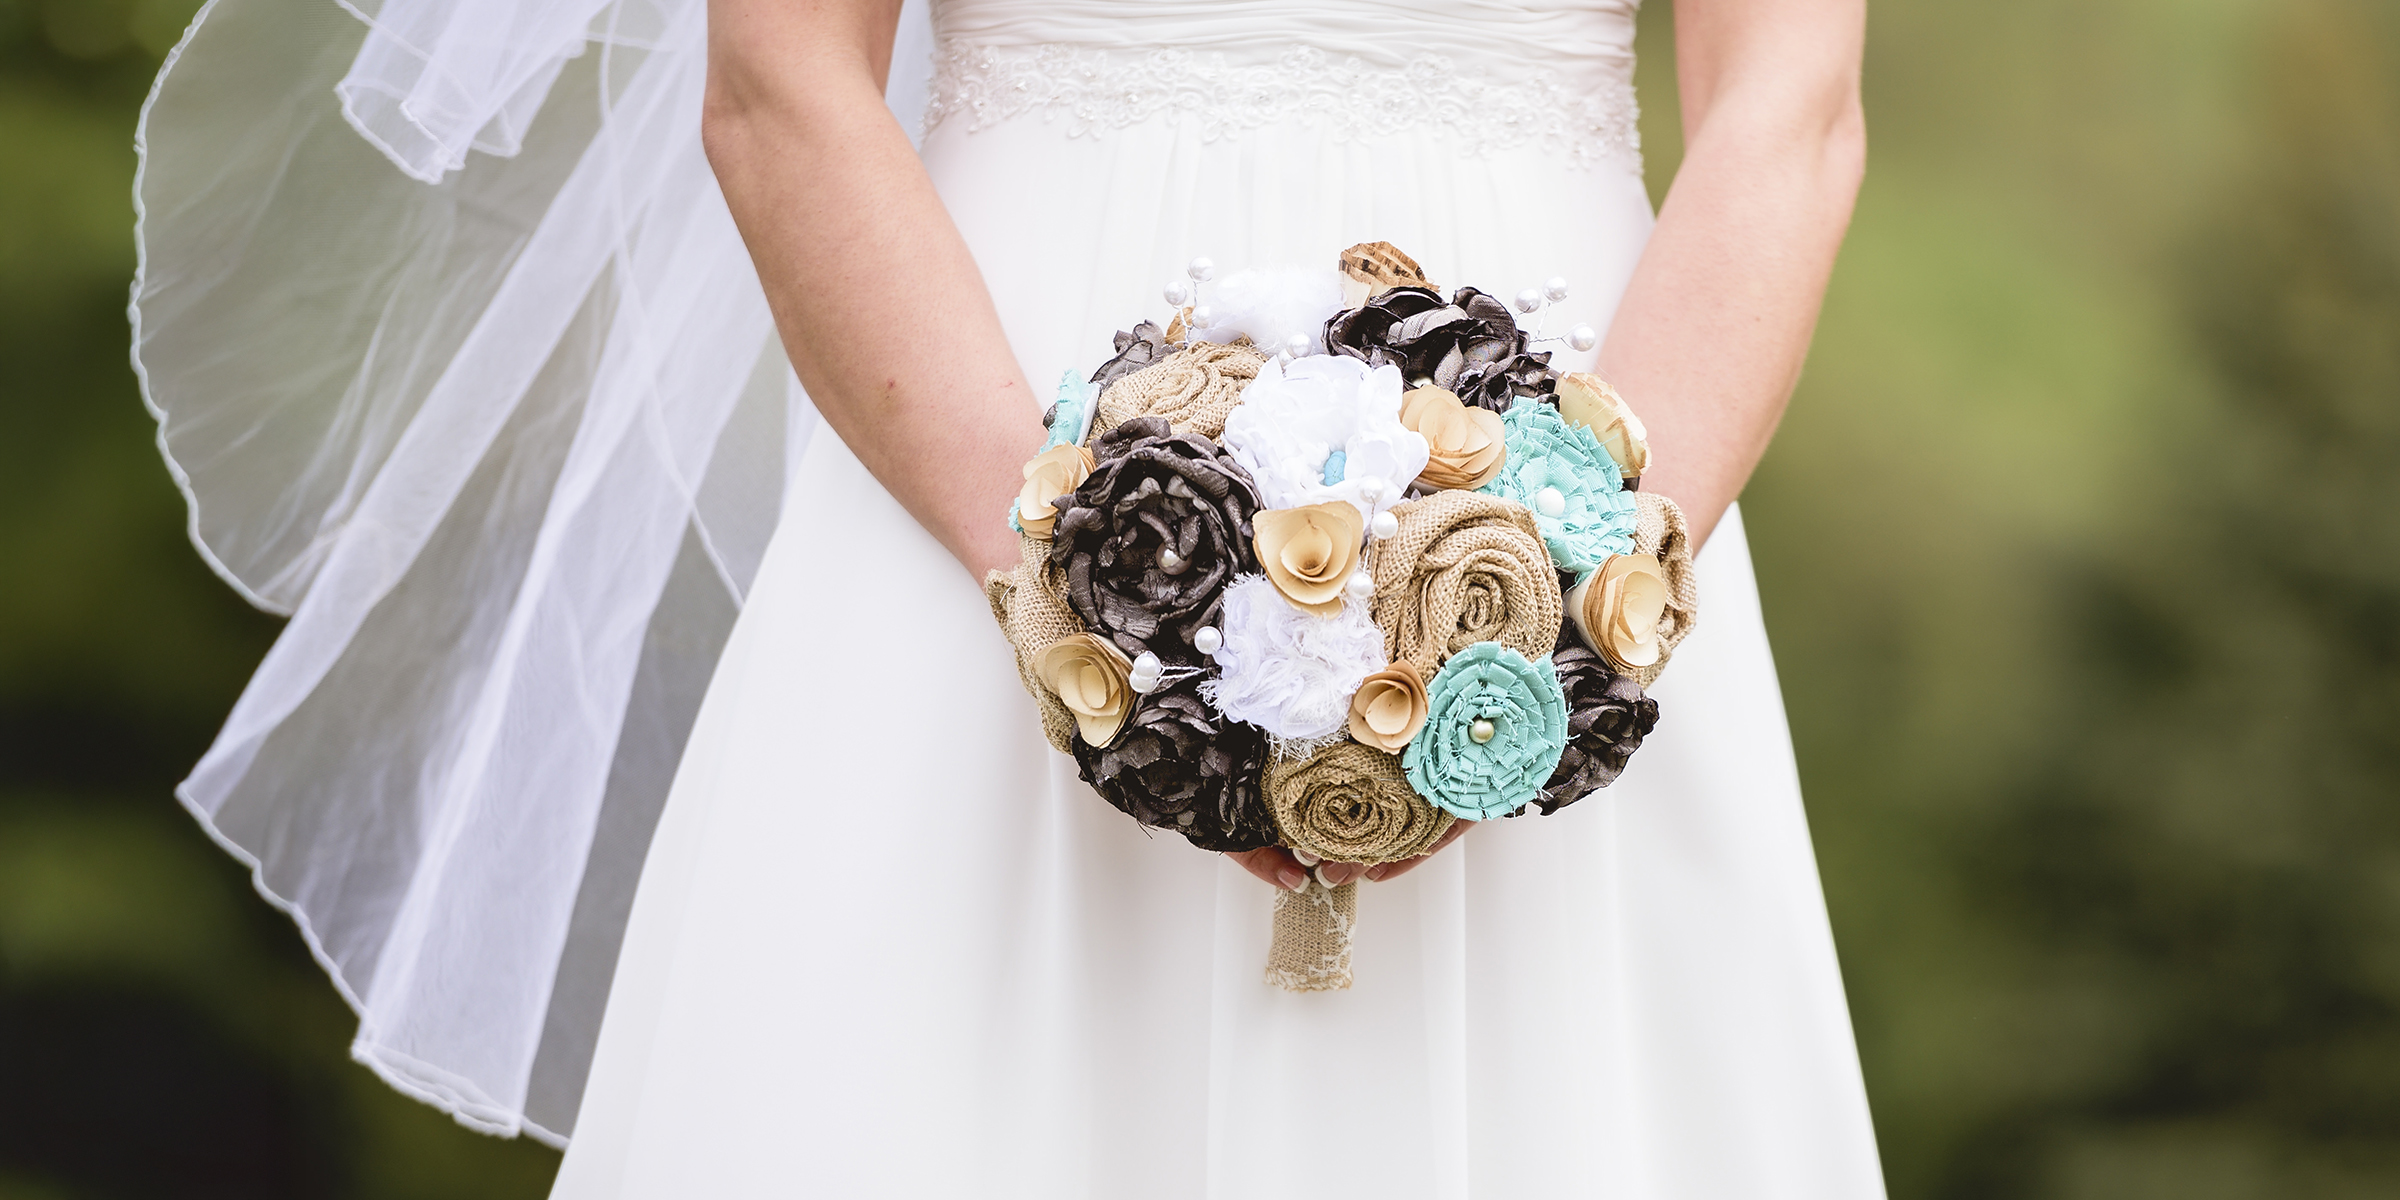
point(468, 325)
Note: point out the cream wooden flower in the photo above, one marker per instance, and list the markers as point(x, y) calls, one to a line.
point(1618, 609)
point(1589, 401)
point(1389, 708)
point(1092, 678)
point(1310, 552)
point(1048, 475)
point(1465, 446)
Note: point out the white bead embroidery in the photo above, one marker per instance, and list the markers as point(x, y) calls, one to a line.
point(1091, 89)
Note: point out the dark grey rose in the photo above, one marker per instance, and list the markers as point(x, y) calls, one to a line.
point(1144, 344)
point(1469, 344)
point(1607, 718)
point(1182, 767)
point(1150, 540)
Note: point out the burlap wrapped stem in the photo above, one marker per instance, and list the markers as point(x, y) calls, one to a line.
point(1464, 568)
point(1346, 803)
point(1031, 606)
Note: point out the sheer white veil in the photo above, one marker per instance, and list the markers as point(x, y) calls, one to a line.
point(461, 364)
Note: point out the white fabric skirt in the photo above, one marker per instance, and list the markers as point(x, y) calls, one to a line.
point(886, 944)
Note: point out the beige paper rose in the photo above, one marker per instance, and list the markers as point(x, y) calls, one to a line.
point(1389, 708)
point(1466, 445)
point(1309, 553)
point(1618, 609)
point(1048, 475)
point(1589, 401)
point(1092, 678)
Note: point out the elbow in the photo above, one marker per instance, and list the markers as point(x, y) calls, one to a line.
point(1845, 144)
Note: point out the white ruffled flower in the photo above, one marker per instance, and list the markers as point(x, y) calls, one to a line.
point(1270, 305)
point(1286, 671)
point(1325, 428)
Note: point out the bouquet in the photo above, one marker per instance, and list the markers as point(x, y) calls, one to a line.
point(1332, 562)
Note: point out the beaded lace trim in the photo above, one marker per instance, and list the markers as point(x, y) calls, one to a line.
point(1091, 90)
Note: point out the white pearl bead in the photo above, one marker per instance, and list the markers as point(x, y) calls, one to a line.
point(1556, 288)
point(1202, 270)
point(1169, 561)
point(1384, 525)
point(1178, 293)
point(1528, 300)
point(1370, 488)
point(1483, 730)
point(1298, 345)
point(1582, 337)
point(1201, 316)
point(1185, 817)
point(1360, 587)
point(1207, 640)
point(1550, 502)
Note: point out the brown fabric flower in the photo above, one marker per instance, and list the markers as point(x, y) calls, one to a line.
point(1138, 347)
point(1181, 767)
point(1469, 344)
point(1049, 475)
point(1090, 677)
point(1389, 708)
point(1464, 568)
point(1149, 542)
point(1465, 447)
point(1351, 803)
point(1607, 718)
point(1309, 552)
point(1193, 388)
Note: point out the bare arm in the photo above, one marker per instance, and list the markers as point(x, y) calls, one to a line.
point(861, 264)
point(1708, 341)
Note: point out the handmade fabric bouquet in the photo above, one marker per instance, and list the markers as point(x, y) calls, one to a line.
point(1335, 561)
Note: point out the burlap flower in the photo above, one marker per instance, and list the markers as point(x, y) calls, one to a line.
point(1570, 484)
point(1193, 388)
point(1389, 708)
point(1149, 542)
point(1607, 718)
point(1179, 766)
point(1660, 533)
point(1588, 401)
point(1463, 568)
point(1138, 347)
point(1465, 447)
point(1088, 675)
point(1309, 553)
point(1619, 609)
point(1351, 803)
point(1495, 730)
point(1469, 344)
point(1049, 476)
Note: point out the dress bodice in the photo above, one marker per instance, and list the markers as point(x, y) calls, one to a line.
point(1553, 33)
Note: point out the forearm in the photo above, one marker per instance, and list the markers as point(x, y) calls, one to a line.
point(881, 308)
point(1709, 339)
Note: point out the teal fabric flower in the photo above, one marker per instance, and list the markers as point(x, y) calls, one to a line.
point(1495, 728)
point(1561, 473)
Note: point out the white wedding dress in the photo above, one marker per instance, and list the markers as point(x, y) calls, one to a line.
point(884, 942)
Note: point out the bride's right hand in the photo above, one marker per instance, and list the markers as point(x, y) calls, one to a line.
point(1277, 866)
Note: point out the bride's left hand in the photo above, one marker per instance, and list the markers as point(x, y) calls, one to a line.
point(1277, 866)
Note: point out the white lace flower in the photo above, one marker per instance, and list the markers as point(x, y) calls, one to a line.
point(1325, 428)
point(1269, 305)
point(1286, 671)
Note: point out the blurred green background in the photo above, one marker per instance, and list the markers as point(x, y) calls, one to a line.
point(2081, 549)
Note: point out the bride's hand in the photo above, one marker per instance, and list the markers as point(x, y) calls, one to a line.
point(1277, 866)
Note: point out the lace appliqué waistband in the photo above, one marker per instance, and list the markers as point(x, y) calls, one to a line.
point(1089, 90)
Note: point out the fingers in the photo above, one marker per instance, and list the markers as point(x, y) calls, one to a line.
point(1384, 871)
point(1273, 865)
point(1336, 874)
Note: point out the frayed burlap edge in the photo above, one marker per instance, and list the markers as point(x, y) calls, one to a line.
point(1409, 608)
point(1031, 606)
point(1313, 928)
point(1659, 531)
point(1194, 388)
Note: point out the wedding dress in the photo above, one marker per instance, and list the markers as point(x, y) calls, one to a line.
point(521, 445)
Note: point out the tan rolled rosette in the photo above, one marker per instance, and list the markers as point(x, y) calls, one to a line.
point(1389, 708)
point(1193, 389)
point(1464, 568)
point(1092, 678)
point(1048, 475)
point(1465, 446)
point(1030, 603)
point(1351, 803)
point(1589, 401)
point(1618, 610)
point(1310, 552)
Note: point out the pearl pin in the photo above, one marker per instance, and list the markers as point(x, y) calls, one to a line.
point(1384, 525)
point(1360, 587)
point(1202, 270)
point(1528, 300)
point(1550, 502)
point(1178, 293)
point(1556, 288)
point(1169, 561)
point(1297, 345)
point(1483, 730)
point(1582, 337)
point(1207, 640)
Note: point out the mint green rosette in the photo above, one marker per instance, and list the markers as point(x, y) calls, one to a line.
point(1571, 485)
point(1528, 714)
